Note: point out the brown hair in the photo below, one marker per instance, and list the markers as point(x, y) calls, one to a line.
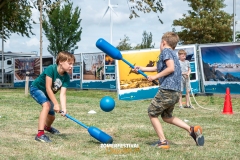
point(65, 56)
point(181, 51)
point(171, 38)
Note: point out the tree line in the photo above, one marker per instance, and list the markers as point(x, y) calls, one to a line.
point(206, 22)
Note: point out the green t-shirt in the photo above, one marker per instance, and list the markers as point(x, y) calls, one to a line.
point(58, 80)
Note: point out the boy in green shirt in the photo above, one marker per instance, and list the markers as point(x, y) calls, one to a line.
point(54, 78)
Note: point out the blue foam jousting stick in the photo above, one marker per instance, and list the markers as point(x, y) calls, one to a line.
point(116, 54)
point(94, 132)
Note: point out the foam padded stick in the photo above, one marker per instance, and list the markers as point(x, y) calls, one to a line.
point(94, 132)
point(116, 54)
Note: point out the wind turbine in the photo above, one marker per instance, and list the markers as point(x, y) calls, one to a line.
point(110, 7)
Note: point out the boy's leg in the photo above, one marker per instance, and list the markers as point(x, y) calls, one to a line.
point(48, 126)
point(187, 98)
point(177, 122)
point(157, 127)
point(158, 106)
point(188, 93)
point(50, 116)
point(180, 100)
point(180, 93)
point(43, 115)
point(41, 123)
point(163, 143)
point(49, 121)
point(195, 131)
point(41, 98)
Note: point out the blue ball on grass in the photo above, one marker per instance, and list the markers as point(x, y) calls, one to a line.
point(107, 104)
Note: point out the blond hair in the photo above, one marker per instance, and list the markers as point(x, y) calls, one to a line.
point(171, 38)
point(181, 51)
point(65, 56)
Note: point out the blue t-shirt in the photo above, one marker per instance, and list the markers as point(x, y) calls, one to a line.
point(57, 80)
point(173, 80)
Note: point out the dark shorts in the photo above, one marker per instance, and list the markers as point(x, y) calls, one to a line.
point(163, 103)
point(40, 97)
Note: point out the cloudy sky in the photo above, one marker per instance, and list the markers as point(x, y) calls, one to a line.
point(95, 26)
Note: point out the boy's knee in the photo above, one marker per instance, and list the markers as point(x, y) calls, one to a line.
point(152, 116)
point(52, 113)
point(167, 119)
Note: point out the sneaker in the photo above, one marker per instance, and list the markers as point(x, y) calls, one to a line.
point(196, 133)
point(163, 145)
point(180, 106)
point(188, 106)
point(155, 143)
point(43, 138)
point(52, 130)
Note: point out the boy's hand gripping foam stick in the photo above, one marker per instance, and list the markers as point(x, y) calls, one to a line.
point(116, 54)
point(94, 132)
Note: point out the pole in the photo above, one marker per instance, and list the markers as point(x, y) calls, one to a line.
point(111, 25)
point(40, 5)
point(234, 21)
point(2, 54)
point(27, 83)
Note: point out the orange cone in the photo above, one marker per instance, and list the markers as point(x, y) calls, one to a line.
point(227, 108)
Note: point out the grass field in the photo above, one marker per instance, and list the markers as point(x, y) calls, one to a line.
point(128, 123)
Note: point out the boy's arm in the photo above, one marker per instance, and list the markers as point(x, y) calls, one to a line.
point(63, 100)
point(165, 72)
point(189, 71)
point(51, 94)
point(146, 69)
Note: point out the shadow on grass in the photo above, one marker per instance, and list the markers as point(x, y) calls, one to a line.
point(154, 143)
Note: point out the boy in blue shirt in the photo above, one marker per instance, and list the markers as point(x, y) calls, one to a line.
point(169, 75)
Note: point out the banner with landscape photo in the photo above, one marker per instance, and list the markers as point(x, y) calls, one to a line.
point(220, 66)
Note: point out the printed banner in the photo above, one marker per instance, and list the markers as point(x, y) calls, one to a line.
point(31, 65)
point(98, 71)
point(132, 86)
point(192, 58)
point(75, 75)
point(220, 66)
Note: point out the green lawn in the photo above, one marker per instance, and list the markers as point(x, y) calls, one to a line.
point(128, 123)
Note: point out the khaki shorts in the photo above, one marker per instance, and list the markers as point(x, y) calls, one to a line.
point(185, 84)
point(163, 103)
